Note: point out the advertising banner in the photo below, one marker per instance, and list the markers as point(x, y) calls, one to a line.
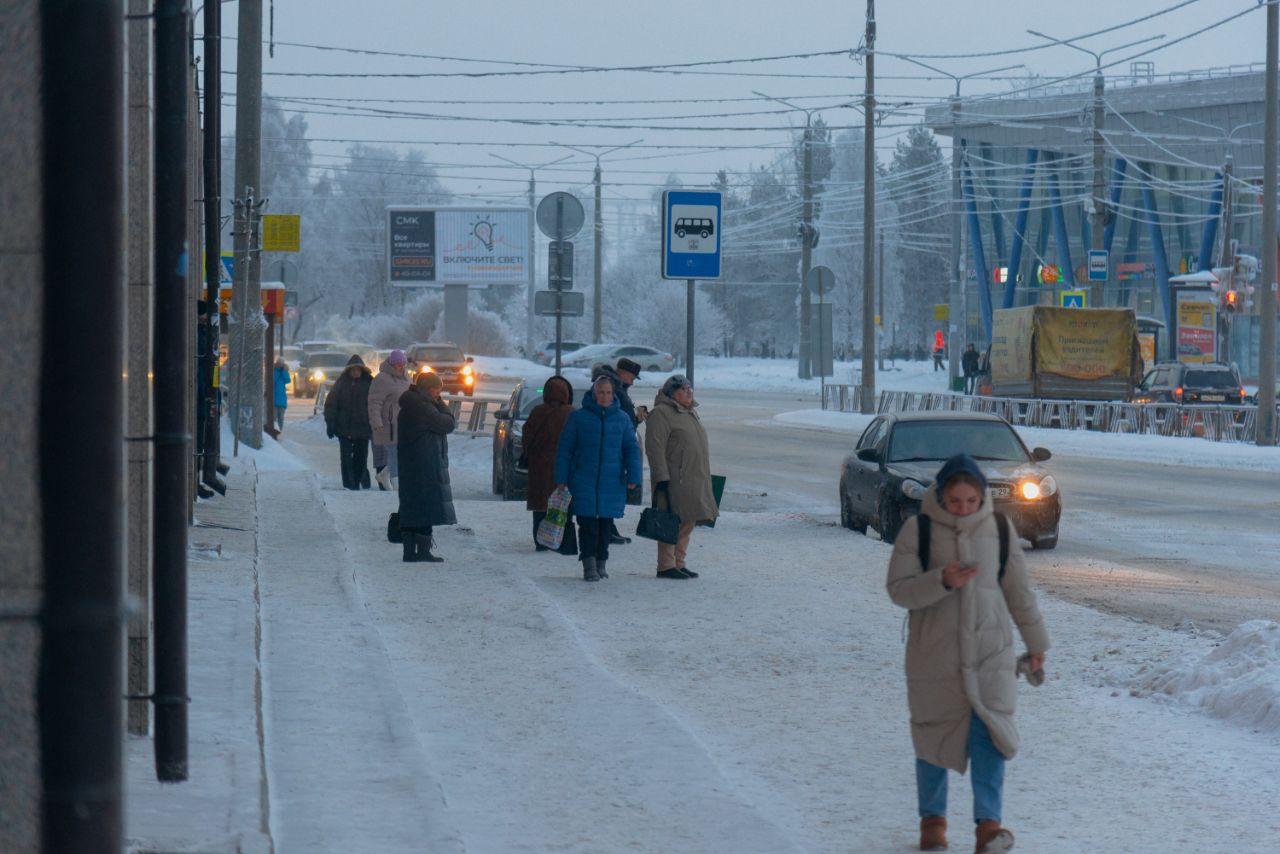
point(1084, 345)
point(1197, 327)
point(458, 246)
point(1011, 345)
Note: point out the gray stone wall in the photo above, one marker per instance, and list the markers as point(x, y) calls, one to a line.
point(21, 274)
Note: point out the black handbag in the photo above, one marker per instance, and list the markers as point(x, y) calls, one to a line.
point(393, 529)
point(660, 525)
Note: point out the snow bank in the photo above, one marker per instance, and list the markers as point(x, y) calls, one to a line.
point(1238, 681)
point(270, 457)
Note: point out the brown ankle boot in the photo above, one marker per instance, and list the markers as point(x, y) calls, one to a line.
point(933, 833)
point(992, 838)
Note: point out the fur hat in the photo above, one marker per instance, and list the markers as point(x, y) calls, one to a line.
point(674, 383)
point(631, 367)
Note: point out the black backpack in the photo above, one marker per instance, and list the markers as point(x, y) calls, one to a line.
point(925, 530)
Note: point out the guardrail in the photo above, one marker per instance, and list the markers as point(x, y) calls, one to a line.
point(478, 414)
point(1214, 423)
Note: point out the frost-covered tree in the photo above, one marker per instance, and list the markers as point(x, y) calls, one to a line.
point(919, 184)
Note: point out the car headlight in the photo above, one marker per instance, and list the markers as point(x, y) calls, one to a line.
point(318, 376)
point(913, 489)
point(466, 370)
point(1030, 490)
point(1048, 486)
point(469, 380)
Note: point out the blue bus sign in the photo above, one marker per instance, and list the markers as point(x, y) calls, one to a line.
point(691, 225)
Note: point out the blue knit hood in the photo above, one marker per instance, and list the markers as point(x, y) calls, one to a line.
point(959, 464)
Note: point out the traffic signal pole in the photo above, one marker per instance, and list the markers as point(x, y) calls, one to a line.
point(1267, 302)
point(869, 221)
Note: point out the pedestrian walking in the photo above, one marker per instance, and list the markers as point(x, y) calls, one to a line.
point(680, 464)
point(384, 408)
point(346, 416)
point(939, 349)
point(541, 435)
point(959, 570)
point(597, 458)
point(280, 378)
point(426, 498)
point(969, 362)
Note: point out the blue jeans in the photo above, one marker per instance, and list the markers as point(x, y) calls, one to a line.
point(986, 765)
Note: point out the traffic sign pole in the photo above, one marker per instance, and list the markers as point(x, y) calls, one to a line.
point(688, 331)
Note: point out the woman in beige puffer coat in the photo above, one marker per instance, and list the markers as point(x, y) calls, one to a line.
point(961, 660)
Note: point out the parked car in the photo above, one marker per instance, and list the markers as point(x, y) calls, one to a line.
point(546, 352)
point(319, 345)
point(1175, 382)
point(446, 360)
point(650, 359)
point(510, 479)
point(885, 478)
point(316, 368)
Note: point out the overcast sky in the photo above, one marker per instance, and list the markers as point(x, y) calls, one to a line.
point(634, 32)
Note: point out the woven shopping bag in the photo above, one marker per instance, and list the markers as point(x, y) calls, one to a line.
point(551, 530)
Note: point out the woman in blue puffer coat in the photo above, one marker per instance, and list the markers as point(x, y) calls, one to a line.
point(597, 458)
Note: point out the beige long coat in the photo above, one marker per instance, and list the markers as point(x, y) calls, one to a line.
point(384, 404)
point(961, 657)
point(676, 444)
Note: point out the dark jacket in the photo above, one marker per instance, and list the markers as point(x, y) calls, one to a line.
point(346, 406)
point(425, 495)
point(281, 378)
point(969, 362)
point(598, 456)
point(541, 435)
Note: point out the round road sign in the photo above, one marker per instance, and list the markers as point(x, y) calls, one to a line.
point(564, 207)
point(821, 280)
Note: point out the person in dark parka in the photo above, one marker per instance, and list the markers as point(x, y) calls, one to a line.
point(426, 499)
point(346, 416)
point(597, 458)
point(541, 435)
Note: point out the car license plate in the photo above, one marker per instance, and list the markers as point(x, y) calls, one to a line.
point(999, 492)
point(1215, 397)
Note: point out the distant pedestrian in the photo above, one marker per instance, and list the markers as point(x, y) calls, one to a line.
point(346, 416)
point(426, 498)
point(384, 408)
point(939, 350)
point(597, 459)
point(969, 362)
point(961, 662)
point(540, 438)
point(280, 378)
point(680, 461)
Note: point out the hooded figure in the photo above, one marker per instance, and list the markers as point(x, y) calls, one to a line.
point(541, 436)
point(346, 416)
point(960, 658)
point(426, 498)
point(384, 408)
point(280, 378)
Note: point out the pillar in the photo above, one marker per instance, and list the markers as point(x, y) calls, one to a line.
point(456, 328)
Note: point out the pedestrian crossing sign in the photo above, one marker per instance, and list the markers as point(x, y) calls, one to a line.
point(1072, 299)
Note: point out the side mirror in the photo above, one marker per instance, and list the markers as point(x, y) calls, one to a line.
point(869, 455)
point(1040, 454)
point(502, 415)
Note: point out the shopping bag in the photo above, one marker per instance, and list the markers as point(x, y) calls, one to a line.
point(717, 490)
point(551, 529)
point(660, 525)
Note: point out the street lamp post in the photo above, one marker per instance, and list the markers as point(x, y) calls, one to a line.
point(596, 316)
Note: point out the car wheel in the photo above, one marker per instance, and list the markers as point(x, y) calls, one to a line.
point(654, 369)
point(847, 519)
point(1045, 542)
point(509, 491)
point(890, 521)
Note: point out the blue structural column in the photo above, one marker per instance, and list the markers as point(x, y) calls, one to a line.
point(1160, 258)
point(1020, 227)
point(979, 257)
point(1060, 227)
point(997, 216)
point(1205, 258)
point(1117, 192)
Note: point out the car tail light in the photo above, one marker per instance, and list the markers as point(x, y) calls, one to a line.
point(1177, 393)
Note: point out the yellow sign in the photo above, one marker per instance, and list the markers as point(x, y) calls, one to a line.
point(942, 311)
point(282, 233)
point(1011, 345)
point(1084, 345)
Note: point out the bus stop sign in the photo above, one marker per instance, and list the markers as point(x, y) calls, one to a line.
point(691, 228)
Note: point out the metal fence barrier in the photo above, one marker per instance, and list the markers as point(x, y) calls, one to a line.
point(1214, 423)
point(478, 418)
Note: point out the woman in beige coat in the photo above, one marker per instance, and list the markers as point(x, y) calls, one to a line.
point(961, 661)
point(680, 467)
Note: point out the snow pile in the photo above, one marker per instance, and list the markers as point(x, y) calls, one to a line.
point(1239, 681)
point(270, 457)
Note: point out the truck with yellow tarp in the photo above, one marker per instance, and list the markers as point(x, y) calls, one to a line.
point(1065, 353)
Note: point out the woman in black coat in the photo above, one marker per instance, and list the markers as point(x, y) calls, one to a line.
point(346, 416)
point(426, 499)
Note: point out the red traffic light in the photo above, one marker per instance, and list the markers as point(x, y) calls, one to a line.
point(1231, 301)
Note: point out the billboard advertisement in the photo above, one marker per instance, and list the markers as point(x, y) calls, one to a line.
point(1197, 327)
point(465, 246)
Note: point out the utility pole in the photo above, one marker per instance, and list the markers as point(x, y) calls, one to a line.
point(247, 418)
point(880, 292)
point(869, 219)
point(212, 141)
point(1267, 303)
point(597, 283)
point(805, 366)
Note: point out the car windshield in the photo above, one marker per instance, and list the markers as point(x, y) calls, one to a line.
point(293, 353)
point(328, 360)
point(436, 354)
point(1200, 378)
point(940, 440)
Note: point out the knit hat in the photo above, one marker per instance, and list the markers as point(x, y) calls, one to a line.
point(959, 464)
point(429, 379)
point(397, 357)
point(674, 383)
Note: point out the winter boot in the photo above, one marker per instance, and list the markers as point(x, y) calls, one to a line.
point(992, 838)
point(384, 479)
point(933, 833)
point(689, 572)
point(410, 547)
point(424, 555)
point(364, 480)
point(673, 573)
point(600, 568)
point(589, 571)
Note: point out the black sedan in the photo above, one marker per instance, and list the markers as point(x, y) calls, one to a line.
point(510, 479)
point(884, 480)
